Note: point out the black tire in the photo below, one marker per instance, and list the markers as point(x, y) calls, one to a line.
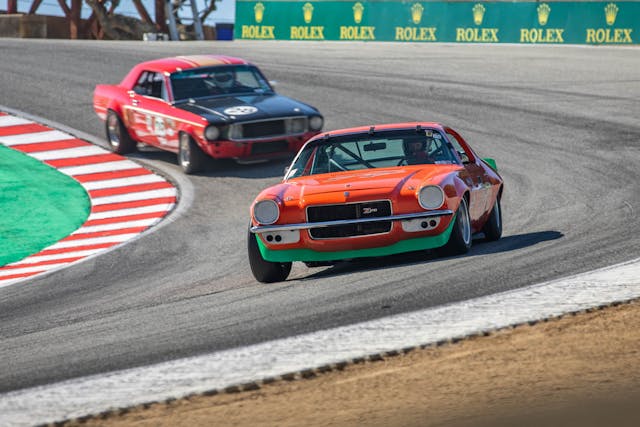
point(120, 141)
point(460, 239)
point(265, 271)
point(190, 156)
point(493, 228)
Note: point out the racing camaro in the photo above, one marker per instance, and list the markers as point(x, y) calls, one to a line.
point(203, 105)
point(375, 191)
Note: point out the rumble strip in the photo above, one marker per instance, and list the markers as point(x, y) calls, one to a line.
point(125, 198)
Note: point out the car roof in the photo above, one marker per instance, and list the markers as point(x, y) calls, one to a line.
point(381, 127)
point(178, 63)
point(186, 62)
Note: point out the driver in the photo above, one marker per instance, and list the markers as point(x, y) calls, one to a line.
point(224, 79)
point(415, 151)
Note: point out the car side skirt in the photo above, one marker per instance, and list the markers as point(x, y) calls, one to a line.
point(409, 245)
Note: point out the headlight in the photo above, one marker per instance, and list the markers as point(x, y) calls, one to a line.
point(315, 123)
point(266, 212)
point(297, 125)
point(211, 133)
point(431, 197)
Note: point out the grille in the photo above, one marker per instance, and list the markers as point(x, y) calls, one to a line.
point(263, 129)
point(269, 147)
point(346, 212)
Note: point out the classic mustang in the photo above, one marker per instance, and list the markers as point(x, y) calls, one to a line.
point(375, 191)
point(203, 105)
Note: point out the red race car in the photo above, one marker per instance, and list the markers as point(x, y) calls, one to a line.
point(375, 191)
point(204, 105)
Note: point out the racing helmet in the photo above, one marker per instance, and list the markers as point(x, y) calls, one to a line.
point(413, 145)
point(224, 79)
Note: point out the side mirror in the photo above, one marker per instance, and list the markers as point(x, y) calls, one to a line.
point(463, 157)
point(491, 163)
point(273, 83)
point(286, 170)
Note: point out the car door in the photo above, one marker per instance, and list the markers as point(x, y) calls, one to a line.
point(153, 124)
point(475, 176)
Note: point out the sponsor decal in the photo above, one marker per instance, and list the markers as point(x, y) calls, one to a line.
point(610, 35)
point(302, 32)
point(540, 35)
point(477, 35)
point(358, 11)
point(242, 110)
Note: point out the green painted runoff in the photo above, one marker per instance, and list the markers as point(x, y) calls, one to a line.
point(38, 205)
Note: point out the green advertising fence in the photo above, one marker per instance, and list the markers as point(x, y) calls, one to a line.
point(463, 22)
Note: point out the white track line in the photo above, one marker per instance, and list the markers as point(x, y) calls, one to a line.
point(216, 371)
point(90, 150)
point(35, 138)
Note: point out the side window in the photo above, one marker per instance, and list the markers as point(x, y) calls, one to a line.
point(151, 84)
point(456, 144)
point(141, 85)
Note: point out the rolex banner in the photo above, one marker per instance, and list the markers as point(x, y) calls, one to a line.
point(462, 22)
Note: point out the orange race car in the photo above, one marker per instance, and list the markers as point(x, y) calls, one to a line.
point(375, 191)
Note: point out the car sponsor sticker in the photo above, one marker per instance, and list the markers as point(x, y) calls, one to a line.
point(240, 110)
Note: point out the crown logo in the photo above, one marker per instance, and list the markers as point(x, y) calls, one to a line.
point(358, 9)
point(610, 13)
point(307, 10)
point(416, 13)
point(543, 13)
point(478, 13)
point(258, 11)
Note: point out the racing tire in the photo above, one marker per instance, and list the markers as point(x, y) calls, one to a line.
point(190, 156)
point(120, 142)
point(460, 239)
point(493, 227)
point(265, 271)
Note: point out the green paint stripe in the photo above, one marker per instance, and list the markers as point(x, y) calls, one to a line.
point(38, 205)
point(410, 245)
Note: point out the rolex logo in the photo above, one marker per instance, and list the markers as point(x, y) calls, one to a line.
point(307, 10)
point(258, 11)
point(416, 13)
point(610, 13)
point(543, 13)
point(478, 13)
point(358, 9)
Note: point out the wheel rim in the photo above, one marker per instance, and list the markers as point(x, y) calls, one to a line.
point(184, 152)
point(465, 222)
point(113, 130)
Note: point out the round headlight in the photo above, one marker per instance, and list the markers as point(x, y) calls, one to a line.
point(315, 123)
point(266, 212)
point(431, 197)
point(211, 133)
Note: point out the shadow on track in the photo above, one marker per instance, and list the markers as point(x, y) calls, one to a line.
point(480, 247)
point(272, 168)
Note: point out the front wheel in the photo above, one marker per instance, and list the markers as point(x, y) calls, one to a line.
point(265, 271)
point(190, 156)
point(493, 228)
point(118, 137)
point(460, 240)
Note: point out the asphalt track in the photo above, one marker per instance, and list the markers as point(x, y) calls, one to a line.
point(562, 123)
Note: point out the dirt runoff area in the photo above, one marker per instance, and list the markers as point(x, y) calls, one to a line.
point(577, 370)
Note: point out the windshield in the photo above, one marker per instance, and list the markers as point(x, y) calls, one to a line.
point(215, 81)
point(365, 151)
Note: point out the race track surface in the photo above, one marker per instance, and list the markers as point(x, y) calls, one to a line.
point(562, 123)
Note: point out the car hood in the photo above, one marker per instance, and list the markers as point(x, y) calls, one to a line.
point(241, 108)
point(379, 183)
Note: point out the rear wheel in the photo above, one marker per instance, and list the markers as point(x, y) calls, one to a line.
point(190, 156)
point(493, 228)
point(117, 135)
point(265, 271)
point(460, 239)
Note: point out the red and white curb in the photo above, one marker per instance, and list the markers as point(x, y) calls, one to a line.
point(126, 199)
